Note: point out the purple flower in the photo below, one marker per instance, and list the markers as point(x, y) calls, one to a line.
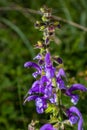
point(69, 91)
point(53, 98)
point(48, 91)
point(49, 69)
point(48, 62)
point(60, 84)
point(47, 127)
point(44, 80)
point(77, 87)
point(47, 88)
point(74, 97)
point(75, 116)
point(61, 73)
point(35, 74)
point(30, 98)
point(40, 104)
point(41, 92)
point(41, 62)
point(73, 119)
point(40, 86)
point(34, 65)
point(36, 88)
point(59, 80)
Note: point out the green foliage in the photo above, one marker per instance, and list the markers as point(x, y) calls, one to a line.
point(17, 37)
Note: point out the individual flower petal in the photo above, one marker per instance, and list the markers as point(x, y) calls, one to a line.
point(32, 64)
point(50, 72)
point(40, 104)
point(41, 62)
point(61, 84)
point(77, 87)
point(43, 80)
point(48, 91)
point(29, 98)
point(74, 97)
point(49, 69)
point(53, 99)
point(47, 127)
point(72, 111)
point(35, 74)
point(48, 60)
point(73, 119)
point(35, 88)
point(61, 73)
point(39, 110)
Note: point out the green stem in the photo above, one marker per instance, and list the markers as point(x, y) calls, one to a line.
point(20, 103)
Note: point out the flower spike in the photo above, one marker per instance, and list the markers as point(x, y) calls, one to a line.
point(50, 83)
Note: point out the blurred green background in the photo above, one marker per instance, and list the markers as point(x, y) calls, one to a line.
point(17, 37)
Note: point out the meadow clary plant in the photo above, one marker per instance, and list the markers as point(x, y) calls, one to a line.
point(50, 82)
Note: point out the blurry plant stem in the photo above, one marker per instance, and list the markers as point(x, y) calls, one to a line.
point(26, 11)
point(59, 102)
point(20, 103)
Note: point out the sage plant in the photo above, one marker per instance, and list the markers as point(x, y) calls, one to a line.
point(50, 81)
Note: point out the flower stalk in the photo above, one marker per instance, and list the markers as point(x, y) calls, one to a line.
point(49, 85)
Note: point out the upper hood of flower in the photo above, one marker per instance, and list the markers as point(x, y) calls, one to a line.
point(47, 127)
point(30, 64)
point(74, 87)
point(77, 87)
point(73, 112)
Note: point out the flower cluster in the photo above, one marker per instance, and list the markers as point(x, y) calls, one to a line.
point(49, 83)
point(42, 89)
